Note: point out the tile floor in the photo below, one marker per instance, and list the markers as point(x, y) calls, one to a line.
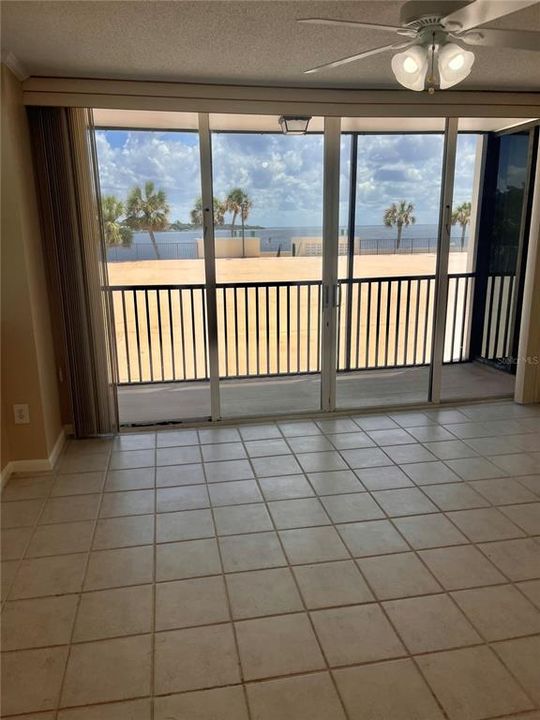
point(377, 567)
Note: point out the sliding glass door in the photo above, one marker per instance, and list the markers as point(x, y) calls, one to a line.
point(368, 263)
point(268, 213)
point(390, 195)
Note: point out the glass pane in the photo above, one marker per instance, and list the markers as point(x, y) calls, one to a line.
point(385, 314)
point(150, 181)
point(268, 234)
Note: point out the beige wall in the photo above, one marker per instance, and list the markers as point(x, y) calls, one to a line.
point(28, 371)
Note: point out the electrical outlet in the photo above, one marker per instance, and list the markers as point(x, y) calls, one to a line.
point(21, 413)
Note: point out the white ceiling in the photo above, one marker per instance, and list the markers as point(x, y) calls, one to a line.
point(231, 42)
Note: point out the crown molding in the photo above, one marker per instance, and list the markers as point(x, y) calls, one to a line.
point(15, 65)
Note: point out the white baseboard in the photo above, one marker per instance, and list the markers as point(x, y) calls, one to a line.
point(35, 466)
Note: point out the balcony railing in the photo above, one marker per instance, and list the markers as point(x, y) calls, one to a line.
point(274, 328)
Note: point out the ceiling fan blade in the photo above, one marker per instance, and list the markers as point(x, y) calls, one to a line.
point(482, 11)
point(353, 58)
point(518, 39)
point(349, 23)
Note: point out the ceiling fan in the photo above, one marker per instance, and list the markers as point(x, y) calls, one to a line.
point(431, 58)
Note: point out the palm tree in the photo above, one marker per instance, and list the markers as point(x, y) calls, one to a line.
point(462, 216)
point(197, 212)
point(148, 211)
point(116, 233)
point(237, 202)
point(399, 214)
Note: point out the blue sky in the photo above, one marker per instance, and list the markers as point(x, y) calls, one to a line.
point(283, 174)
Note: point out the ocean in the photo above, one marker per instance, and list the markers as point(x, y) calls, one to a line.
point(373, 239)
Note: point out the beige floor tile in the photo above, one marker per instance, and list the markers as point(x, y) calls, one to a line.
point(264, 448)
point(186, 603)
point(397, 576)
point(321, 461)
point(31, 679)
point(117, 568)
point(305, 697)
point(311, 545)
point(70, 508)
point(128, 710)
point(137, 479)
point(531, 588)
point(472, 684)
point(503, 491)
point(113, 613)
point(392, 690)
point(108, 670)
point(192, 558)
point(14, 541)
point(531, 482)
point(312, 443)
point(499, 612)
point(278, 646)
point(178, 455)
point(49, 576)
point(135, 441)
point(170, 438)
point(218, 435)
point(7, 574)
point(187, 497)
point(263, 592)
point(277, 465)
point(286, 487)
point(133, 459)
point(233, 520)
point(450, 449)
point(334, 482)
point(518, 559)
point(195, 658)
point(124, 532)
point(461, 567)
point(365, 458)
point(234, 493)
point(61, 538)
point(392, 436)
point(223, 451)
point(356, 634)
point(352, 508)
point(299, 428)
point(402, 454)
point(38, 623)
point(374, 537)
point(185, 525)
point(131, 502)
point(27, 488)
point(429, 531)
point(351, 440)
point(523, 658)
point(455, 496)
point(375, 422)
point(475, 468)
point(300, 513)
point(431, 623)
point(78, 484)
point(251, 552)
point(259, 432)
point(336, 425)
point(21, 513)
point(384, 478)
point(405, 501)
point(226, 703)
point(172, 475)
point(484, 524)
point(430, 433)
point(87, 462)
point(331, 584)
point(526, 516)
point(227, 470)
point(517, 463)
point(431, 473)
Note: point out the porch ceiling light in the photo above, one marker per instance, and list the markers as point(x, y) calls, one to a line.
point(411, 66)
point(294, 125)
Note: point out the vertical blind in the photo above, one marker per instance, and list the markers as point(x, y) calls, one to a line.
point(66, 177)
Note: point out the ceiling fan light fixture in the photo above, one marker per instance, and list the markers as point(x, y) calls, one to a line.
point(410, 67)
point(455, 64)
